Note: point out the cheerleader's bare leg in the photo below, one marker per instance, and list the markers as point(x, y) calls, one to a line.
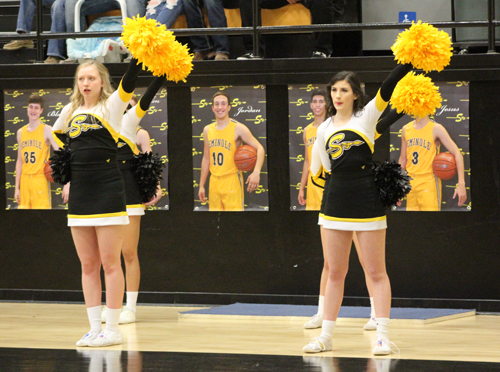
point(87, 248)
point(338, 246)
point(372, 246)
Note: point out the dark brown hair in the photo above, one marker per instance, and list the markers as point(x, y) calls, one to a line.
point(35, 98)
point(353, 80)
point(221, 94)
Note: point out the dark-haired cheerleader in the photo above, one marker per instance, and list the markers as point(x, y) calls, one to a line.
point(344, 148)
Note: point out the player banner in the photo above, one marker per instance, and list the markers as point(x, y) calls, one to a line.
point(454, 117)
point(247, 107)
point(300, 116)
point(15, 113)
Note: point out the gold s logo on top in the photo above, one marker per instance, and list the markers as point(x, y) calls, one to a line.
point(336, 147)
point(78, 125)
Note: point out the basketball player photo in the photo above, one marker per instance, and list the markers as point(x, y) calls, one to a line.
point(307, 109)
point(24, 145)
point(435, 153)
point(229, 164)
point(32, 187)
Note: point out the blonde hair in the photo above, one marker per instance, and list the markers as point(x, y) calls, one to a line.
point(76, 99)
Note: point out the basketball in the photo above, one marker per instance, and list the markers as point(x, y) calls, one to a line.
point(245, 158)
point(48, 172)
point(444, 165)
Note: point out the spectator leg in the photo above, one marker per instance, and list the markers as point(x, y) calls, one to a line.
point(166, 13)
point(136, 8)
point(217, 18)
point(25, 16)
point(57, 47)
point(194, 18)
point(89, 7)
point(246, 12)
point(325, 12)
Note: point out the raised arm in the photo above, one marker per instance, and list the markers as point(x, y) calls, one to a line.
point(134, 116)
point(146, 99)
point(388, 117)
point(392, 80)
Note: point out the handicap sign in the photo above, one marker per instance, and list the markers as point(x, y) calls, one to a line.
point(407, 17)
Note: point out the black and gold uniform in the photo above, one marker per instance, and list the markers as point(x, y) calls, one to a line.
point(97, 196)
point(34, 187)
point(352, 200)
point(127, 148)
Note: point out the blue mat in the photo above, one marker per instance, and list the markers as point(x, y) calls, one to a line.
point(308, 311)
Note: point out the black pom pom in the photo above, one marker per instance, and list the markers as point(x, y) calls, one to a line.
point(147, 170)
point(60, 163)
point(392, 181)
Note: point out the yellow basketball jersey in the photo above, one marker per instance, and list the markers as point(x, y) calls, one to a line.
point(311, 133)
point(34, 150)
point(222, 149)
point(420, 148)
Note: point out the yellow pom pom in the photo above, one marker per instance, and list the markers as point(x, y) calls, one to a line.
point(424, 46)
point(416, 95)
point(156, 48)
point(176, 63)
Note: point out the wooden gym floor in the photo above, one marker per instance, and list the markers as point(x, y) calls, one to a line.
point(41, 337)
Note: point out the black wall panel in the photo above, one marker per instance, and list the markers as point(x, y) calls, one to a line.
point(448, 258)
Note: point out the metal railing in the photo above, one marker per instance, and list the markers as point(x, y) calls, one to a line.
point(257, 30)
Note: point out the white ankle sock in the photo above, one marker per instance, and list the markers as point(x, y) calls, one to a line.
point(327, 329)
point(382, 327)
point(372, 313)
point(112, 319)
point(132, 300)
point(321, 305)
point(94, 315)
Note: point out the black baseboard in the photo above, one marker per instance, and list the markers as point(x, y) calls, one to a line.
point(217, 299)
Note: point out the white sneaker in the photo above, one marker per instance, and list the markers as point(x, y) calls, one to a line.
point(103, 314)
point(87, 338)
point(127, 316)
point(316, 346)
point(107, 339)
point(371, 325)
point(314, 322)
point(383, 346)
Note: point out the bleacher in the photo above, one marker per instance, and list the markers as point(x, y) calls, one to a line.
point(277, 46)
point(8, 22)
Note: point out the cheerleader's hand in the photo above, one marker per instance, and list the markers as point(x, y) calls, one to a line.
point(156, 198)
point(65, 193)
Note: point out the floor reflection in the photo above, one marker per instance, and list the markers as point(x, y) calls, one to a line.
point(102, 360)
point(321, 363)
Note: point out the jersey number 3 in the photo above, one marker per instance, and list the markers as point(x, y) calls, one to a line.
point(415, 158)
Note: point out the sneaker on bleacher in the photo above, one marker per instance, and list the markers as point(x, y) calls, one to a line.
point(248, 56)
